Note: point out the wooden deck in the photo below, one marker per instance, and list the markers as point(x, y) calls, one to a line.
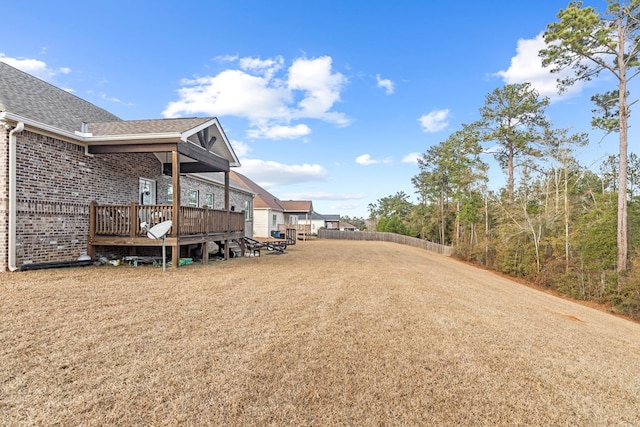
point(301, 230)
point(123, 225)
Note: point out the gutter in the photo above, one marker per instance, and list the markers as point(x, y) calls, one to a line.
point(84, 138)
point(12, 194)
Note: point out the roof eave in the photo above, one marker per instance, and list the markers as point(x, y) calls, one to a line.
point(51, 130)
point(88, 139)
point(235, 162)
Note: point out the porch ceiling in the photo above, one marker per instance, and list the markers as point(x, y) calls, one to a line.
point(201, 143)
point(192, 157)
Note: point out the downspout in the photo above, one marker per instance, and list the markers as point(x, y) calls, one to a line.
point(12, 194)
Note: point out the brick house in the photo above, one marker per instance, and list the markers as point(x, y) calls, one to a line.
point(76, 179)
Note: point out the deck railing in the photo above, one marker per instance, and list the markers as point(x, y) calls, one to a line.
point(300, 228)
point(129, 220)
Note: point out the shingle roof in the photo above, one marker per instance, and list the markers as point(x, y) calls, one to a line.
point(134, 127)
point(314, 215)
point(263, 199)
point(24, 95)
point(296, 205)
point(28, 96)
point(266, 200)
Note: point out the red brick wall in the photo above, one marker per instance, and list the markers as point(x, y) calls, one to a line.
point(4, 196)
point(56, 183)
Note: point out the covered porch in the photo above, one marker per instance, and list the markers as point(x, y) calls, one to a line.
point(182, 146)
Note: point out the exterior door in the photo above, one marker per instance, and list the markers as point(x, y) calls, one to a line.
point(147, 191)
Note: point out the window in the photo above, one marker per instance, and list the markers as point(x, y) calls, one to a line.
point(193, 198)
point(208, 200)
point(248, 211)
point(170, 194)
point(274, 220)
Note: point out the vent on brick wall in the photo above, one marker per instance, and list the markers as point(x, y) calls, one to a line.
point(28, 206)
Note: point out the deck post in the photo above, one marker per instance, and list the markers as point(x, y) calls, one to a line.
point(175, 170)
point(227, 208)
point(133, 226)
point(207, 230)
point(91, 250)
point(205, 253)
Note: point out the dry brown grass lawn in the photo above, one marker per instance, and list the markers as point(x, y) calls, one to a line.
point(331, 333)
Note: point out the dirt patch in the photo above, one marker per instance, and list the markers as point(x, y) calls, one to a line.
point(331, 333)
point(572, 318)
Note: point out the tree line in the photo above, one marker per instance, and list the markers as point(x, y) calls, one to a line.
point(555, 222)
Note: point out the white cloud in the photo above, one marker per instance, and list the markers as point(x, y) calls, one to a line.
point(226, 58)
point(492, 150)
point(113, 99)
point(321, 89)
point(411, 158)
point(308, 90)
point(232, 92)
point(109, 98)
point(240, 148)
point(34, 67)
point(386, 84)
point(366, 160)
point(268, 173)
point(526, 66)
point(41, 70)
point(434, 121)
point(279, 132)
point(267, 67)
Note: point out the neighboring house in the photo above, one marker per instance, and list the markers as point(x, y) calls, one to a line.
point(345, 226)
point(270, 214)
point(329, 222)
point(332, 222)
point(317, 221)
point(75, 178)
point(297, 214)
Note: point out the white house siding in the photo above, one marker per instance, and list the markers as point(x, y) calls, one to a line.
point(263, 222)
point(316, 224)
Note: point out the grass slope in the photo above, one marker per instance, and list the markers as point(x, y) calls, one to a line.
point(331, 333)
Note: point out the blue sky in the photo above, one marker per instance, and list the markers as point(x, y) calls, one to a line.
point(329, 101)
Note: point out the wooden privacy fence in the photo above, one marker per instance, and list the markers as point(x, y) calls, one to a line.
point(385, 237)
